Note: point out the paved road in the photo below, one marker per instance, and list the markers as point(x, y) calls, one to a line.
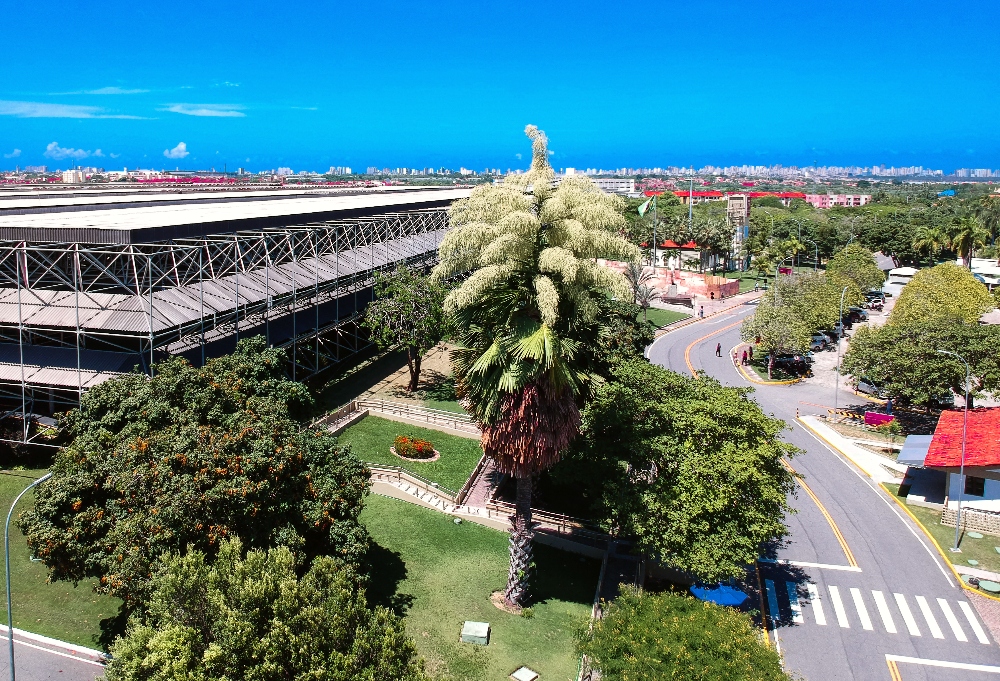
point(843, 603)
point(39, 659)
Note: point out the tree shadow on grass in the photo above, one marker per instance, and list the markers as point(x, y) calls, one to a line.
point(113, 627)
point(386, 571)
point(564, 576)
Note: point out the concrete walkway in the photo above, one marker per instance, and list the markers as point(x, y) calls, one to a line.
point(872, 464)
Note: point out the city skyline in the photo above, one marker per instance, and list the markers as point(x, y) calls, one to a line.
point(453, 86)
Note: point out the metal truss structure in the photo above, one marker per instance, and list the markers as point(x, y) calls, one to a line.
point(73, 315)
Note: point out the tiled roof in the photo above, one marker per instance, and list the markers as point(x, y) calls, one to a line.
point(982, 439)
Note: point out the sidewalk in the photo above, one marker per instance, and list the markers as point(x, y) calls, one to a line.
point(874, 466)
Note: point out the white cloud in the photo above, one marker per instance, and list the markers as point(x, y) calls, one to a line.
point(180, 151)
point(114, 90)
point(13, 154)
point(54, 151)
point(114, 155)
point(210, 110)
point(111, 90)
point(98, 152)
point(46, 110)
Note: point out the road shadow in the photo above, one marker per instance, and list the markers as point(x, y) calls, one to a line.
point(386, 570)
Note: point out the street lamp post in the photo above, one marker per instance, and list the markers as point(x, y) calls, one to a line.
point(965, 428)
point(6, 548)
point(836, 385)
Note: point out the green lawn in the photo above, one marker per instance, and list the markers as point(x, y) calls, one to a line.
point(977, 549)
point(439, 574)
point(371, 437)
point(58, 609)
point(659, 318)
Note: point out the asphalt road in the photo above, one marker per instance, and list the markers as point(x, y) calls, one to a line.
point(842, 604)
point(40, 659)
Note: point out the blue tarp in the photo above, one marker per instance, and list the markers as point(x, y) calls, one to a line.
point(947, 192)
point(720, 594)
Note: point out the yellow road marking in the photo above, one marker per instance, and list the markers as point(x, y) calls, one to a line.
point(829, 519)
point(951, 566)
point(687, 350)
point(893, 670)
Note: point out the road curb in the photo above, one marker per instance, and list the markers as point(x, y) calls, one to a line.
point(739, 367)
point(834, 447)
point(96, 655)
point(947, 562)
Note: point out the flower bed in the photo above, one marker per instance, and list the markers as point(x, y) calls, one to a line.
point(414, 449)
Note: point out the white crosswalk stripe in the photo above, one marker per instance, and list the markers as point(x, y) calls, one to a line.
point(859, 604)
point(932, 624)
point(977, 628)
point(838, 607)
point(930, 609)
point(884, 612)
point(816, 603)
point(793, 602)
point(956, 628)
point(908, 618)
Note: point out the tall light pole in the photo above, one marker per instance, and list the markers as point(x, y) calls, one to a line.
point(965, 428)
point(6, 548)
point(836, 385)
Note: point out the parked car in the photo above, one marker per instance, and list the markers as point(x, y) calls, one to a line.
point(857, 314)
point(875, 295)
point(866, 386)
point(836, 332)
point(818, 342)
point(794, 364)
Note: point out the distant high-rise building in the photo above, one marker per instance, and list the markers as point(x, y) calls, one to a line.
point(73, 176)
point(36, 169)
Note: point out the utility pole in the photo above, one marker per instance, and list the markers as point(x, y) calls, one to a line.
point(836, 386)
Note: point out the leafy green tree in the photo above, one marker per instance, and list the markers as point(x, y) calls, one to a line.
point(779, 324)
point(944, 292)
point(649, 637)
point(190, 457)
point(528, 317)
point(768, 202)
point(902, 359)
point(691, 469)
point(253, 619)
point(408, 310)
point(855, 265)
point(622, 337)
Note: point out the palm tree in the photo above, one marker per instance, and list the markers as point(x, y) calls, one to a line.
point(643, 297)
point(637, 276)
point(967, 234)
point(930, 239)
point(988, 212)
point(527, 317)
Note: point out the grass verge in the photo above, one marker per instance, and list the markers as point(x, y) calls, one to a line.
point(981, 550)
point(59, 609)
point(658, 318)
point(439, 574)
point(371, 437)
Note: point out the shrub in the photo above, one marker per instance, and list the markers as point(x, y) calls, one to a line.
point(413, 448)
point(666, 636)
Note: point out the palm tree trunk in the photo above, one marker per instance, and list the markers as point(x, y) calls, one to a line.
point(413, 362)
point(521, 555)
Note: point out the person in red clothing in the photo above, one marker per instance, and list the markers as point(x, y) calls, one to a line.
point(744, 358)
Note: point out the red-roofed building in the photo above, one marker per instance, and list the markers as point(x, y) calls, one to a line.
point(981, 489)
point(699, 197)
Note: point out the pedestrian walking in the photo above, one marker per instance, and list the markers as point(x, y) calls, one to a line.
point(701, 312)
point(744, 358)
point(718, 349)
point(751, 353)
point(735, 358)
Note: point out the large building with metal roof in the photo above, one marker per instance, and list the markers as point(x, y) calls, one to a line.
point(94, 283)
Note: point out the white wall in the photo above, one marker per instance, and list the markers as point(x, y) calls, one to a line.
point(990, 501)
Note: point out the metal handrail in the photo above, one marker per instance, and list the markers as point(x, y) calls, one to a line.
point(384, 405)
point(415, 478)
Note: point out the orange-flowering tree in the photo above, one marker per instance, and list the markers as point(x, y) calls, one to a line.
point(187, 459)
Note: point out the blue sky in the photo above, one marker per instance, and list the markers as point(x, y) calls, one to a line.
point(309, 85)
